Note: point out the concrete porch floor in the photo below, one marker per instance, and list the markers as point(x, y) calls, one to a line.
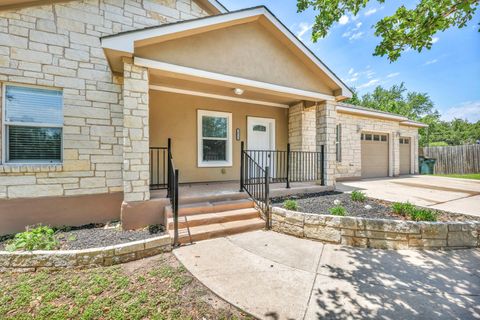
point(192, 191)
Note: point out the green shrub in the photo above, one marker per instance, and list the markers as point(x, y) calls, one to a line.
point(403, 208)
point(358, 196)
point(290, 204)
point(38, 238)
point(407, 209)
point(423, 215)
point(338, 210)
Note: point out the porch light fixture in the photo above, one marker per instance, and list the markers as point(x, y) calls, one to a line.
point(238, 91)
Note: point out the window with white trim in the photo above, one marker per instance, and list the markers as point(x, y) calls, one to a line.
point(32, 124)
point(214, 139)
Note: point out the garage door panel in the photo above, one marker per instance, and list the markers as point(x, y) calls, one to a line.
point(405, 155)
point(374, 156)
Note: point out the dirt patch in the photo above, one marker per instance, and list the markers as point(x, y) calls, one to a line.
point(153, 288)
point(320, 203)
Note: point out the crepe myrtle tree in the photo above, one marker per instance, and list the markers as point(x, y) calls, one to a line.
point(408, 28)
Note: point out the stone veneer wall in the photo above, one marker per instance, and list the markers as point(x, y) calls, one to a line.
point(377, 233)
point(353, 126)
point(26, 261)
point(58, 45)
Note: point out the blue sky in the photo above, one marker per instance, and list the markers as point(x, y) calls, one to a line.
point(449, 72)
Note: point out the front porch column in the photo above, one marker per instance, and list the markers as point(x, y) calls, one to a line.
point(302, 128)
point(136, 162)
point(326, 115)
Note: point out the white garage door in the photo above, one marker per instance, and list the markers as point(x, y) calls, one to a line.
point(405, 155)
point(374, 155)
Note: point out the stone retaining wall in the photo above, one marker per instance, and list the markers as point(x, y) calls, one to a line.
point(377, 233)
point(106, 256)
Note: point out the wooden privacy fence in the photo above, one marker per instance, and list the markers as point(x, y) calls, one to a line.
point(454, 159)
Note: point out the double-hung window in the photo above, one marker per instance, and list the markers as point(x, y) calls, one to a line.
point(338, 142)
point(214, 139)
point(32, 124)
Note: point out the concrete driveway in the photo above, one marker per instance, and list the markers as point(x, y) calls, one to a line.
point(450, 194)
point(274, 276)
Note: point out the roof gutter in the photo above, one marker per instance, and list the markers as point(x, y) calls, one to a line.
point(372, 113)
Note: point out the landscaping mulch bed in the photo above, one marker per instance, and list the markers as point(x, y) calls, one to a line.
point(320, 203)
point(97, 235)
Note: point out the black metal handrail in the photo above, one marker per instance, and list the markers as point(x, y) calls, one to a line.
point(291, 166)
point(255, 180)
point(158, 168)
point(172, 191)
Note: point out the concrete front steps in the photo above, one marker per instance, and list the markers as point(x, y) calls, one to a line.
point(213, 219)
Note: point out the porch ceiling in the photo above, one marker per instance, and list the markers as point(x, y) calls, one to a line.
point(223, 91)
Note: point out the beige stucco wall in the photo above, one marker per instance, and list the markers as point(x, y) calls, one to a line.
point(248, 51)
point(354, 125)
point(175, 116)
point(59, 46)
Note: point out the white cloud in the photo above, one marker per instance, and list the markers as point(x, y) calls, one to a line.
point(435, 39)
point(343, 20)
point(350, 71)
point(469, 110)
point(353, 33)
point(370, 12)
point(356, 36)
point(391, 75)
point(368, 84)
point(304, 28)
point(430, 62)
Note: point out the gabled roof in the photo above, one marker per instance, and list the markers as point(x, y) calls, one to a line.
point(354, 109)
point(125, 42)
point(212, 5)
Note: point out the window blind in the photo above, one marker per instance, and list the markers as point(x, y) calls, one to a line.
point(33, 105)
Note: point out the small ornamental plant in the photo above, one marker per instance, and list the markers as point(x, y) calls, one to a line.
point(338, 210)
point(290, 205)
point(403, 208)
point(36, 238)
point(358, 196)
point(423, 215)
point(408, 210)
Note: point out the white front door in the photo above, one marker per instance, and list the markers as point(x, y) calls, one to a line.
point(260, 134)
point(261, 137)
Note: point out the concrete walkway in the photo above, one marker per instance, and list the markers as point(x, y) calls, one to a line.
point(442, 193)
point(274, 276)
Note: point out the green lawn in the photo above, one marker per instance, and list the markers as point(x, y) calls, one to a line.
point(156, 288)
point(475, 176)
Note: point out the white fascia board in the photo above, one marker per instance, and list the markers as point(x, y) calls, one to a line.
point(414, 124)
point(372, 113)
point(176, 69)
point(126, 42)
point(216, 96)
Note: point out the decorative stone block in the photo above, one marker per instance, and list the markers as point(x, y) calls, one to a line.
point(324, 233)
point(463, 239)
point(434, 230)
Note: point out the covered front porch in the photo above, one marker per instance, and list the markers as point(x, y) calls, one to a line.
point(218, 105)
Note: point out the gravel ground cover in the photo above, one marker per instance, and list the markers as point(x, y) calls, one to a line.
point(320, 203)
point(97, 235)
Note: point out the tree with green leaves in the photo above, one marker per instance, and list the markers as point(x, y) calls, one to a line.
point(406, 29)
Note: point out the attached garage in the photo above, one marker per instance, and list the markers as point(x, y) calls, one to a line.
point(374, 155)
point(405, 157)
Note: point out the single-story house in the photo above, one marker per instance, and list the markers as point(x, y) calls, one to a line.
point(93, 90)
